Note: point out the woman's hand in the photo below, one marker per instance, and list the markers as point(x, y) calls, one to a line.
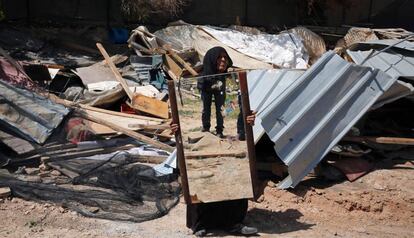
point(251, 118)
point(174, 128)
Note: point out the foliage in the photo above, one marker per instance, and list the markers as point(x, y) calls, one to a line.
point(142, 9)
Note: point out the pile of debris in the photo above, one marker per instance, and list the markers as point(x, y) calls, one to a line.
point(86, 133)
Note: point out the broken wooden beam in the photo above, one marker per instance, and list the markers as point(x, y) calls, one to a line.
point(96, 109)
point(206, 154)
point(380, 140)
point(115, 71)
point(180, 60)
point(125, 131)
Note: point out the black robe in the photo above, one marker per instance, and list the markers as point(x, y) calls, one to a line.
point(216, 215)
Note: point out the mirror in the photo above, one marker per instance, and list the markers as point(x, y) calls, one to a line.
point(216, 160)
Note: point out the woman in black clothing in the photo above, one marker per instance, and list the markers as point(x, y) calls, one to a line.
point(216, 61)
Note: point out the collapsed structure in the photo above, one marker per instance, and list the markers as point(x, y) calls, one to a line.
point(66, 112)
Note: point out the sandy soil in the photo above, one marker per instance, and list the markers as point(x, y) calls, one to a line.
point(380, 204)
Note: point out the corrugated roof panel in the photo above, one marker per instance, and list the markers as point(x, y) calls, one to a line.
point(316, 111)
point(406, 45)
point(391, 62)
point(264, 87)
point(31, 116)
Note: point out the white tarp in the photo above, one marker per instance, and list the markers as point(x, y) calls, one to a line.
point(285, 50)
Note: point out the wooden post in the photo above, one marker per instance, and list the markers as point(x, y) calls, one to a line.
point(249, 132)
point(179, 142)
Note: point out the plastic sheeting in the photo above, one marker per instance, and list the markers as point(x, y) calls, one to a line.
point(285, 50)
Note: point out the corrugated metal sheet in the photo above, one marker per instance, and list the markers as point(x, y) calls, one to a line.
point(393, 63)
point(406, 45)
point(264, 87)
point(398, 90)
point(27, 114)
point(316, 111)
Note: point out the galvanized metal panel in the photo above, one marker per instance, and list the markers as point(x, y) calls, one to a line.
point(264, 87)
point(31, 116)
point(406, 45)
point(391, 62)
point(398, 90)
point(316, 111)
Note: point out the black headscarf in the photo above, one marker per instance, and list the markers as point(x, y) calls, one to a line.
point(210, 67)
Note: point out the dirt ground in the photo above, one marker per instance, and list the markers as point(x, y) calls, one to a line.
point(380, 204)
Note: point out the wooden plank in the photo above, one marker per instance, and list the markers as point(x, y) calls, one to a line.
point(99, 129)
point(249, 134)
point(127, 132)
point(150, 127)
point(150, 105)
point(124, 122)
point(118, 76)
point(381, 140)
point(68, 169)
point(179, 143)
point(172, 65)
point(85, 153)
point(96, 109)
point(180, 60)
point(204, 154)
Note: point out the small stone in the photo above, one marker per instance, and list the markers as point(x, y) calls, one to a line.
point(319, 191)
point(271, 184)
point(62, 210)
point(74, 213)
point(26, 212)
point(5, 192)
point(260, 199)
point(93, 209)
point(55, 173)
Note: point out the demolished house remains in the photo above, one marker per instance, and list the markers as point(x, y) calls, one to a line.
point(91, 130)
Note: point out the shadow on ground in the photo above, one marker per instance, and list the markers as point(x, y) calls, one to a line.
point(276, 222)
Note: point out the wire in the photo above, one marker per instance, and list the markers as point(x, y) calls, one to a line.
point(214, 75)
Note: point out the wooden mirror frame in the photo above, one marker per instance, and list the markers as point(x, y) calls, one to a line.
point(248, 130)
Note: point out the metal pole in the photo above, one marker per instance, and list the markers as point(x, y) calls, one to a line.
point(385, 49)
point(249, 133)
point(179, 142)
